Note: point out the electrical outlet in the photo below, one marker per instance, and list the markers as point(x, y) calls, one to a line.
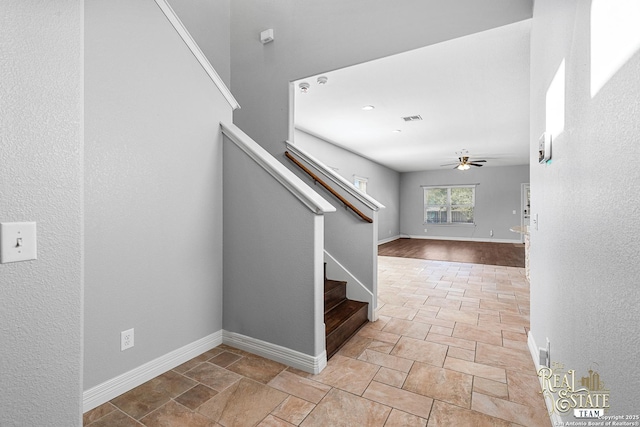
point(425, 230)
point(126, 339)
point(491, 233)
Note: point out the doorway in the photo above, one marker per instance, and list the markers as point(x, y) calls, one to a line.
point(525, 191)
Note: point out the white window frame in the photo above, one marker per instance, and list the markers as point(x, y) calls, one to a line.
point(448, 206)
point(360, 183)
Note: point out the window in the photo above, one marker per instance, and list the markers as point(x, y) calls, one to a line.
point(449, 205)
point(360, 183)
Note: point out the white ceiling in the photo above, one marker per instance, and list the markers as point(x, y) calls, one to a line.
point(472, 93)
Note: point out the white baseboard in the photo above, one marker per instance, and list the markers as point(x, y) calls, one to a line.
point(533, 349)
point(114, 387)
point(388, 239)
point(275, 352)
point(464, 239)
point(535, 355)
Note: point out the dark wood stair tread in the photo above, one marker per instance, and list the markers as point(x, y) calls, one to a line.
point(342, 317)
point(341, 313)
point(342, 322)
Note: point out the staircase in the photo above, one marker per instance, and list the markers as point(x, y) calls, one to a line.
point(342, 317)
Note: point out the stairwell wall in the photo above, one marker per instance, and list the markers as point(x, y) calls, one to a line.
point(153, 190)
point(272, 259)
point(350, 242)
point(208, 22)
point(383, 184)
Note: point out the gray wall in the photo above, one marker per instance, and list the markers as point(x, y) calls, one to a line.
point(584, 256)
point(312, 37)
point(208, 23)
point(347, 237)
point(497, 196)
point(41, 180)
point(383, 185)
point(269, 259)
point(351, 241)
point(153, 190)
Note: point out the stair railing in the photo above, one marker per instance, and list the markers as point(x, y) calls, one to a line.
point(317, 179)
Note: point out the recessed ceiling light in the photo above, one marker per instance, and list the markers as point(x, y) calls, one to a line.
point(322, 80)
point(368, 107)
point(396, 131)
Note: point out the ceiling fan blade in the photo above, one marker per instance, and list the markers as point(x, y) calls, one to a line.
point(450, 164)
point(478, 161)
point(474, 164)
point(456, 167)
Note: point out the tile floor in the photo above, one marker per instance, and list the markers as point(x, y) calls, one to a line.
point(449, 349)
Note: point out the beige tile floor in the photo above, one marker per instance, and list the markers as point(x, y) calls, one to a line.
point(449, 349)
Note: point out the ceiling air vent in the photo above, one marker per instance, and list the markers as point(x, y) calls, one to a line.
point(412, 118)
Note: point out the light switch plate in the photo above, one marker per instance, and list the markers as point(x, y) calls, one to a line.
point(17, 242)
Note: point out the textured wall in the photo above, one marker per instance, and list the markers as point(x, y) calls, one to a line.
point(383, 185)
point(496, 197)
point(584, 256)
point(153, 190)
point(41, 180)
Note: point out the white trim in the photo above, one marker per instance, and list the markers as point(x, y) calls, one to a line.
point(275, 352)
point(533, 349)
point(280, 172)
point(388, 239)
point(114, 387)
point(555, 418)
point(292, 110)
point(364, 198)
point(193, 46)
point(463, 239)
point(319, 328)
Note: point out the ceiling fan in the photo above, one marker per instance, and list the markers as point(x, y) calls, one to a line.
point(464, 162)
